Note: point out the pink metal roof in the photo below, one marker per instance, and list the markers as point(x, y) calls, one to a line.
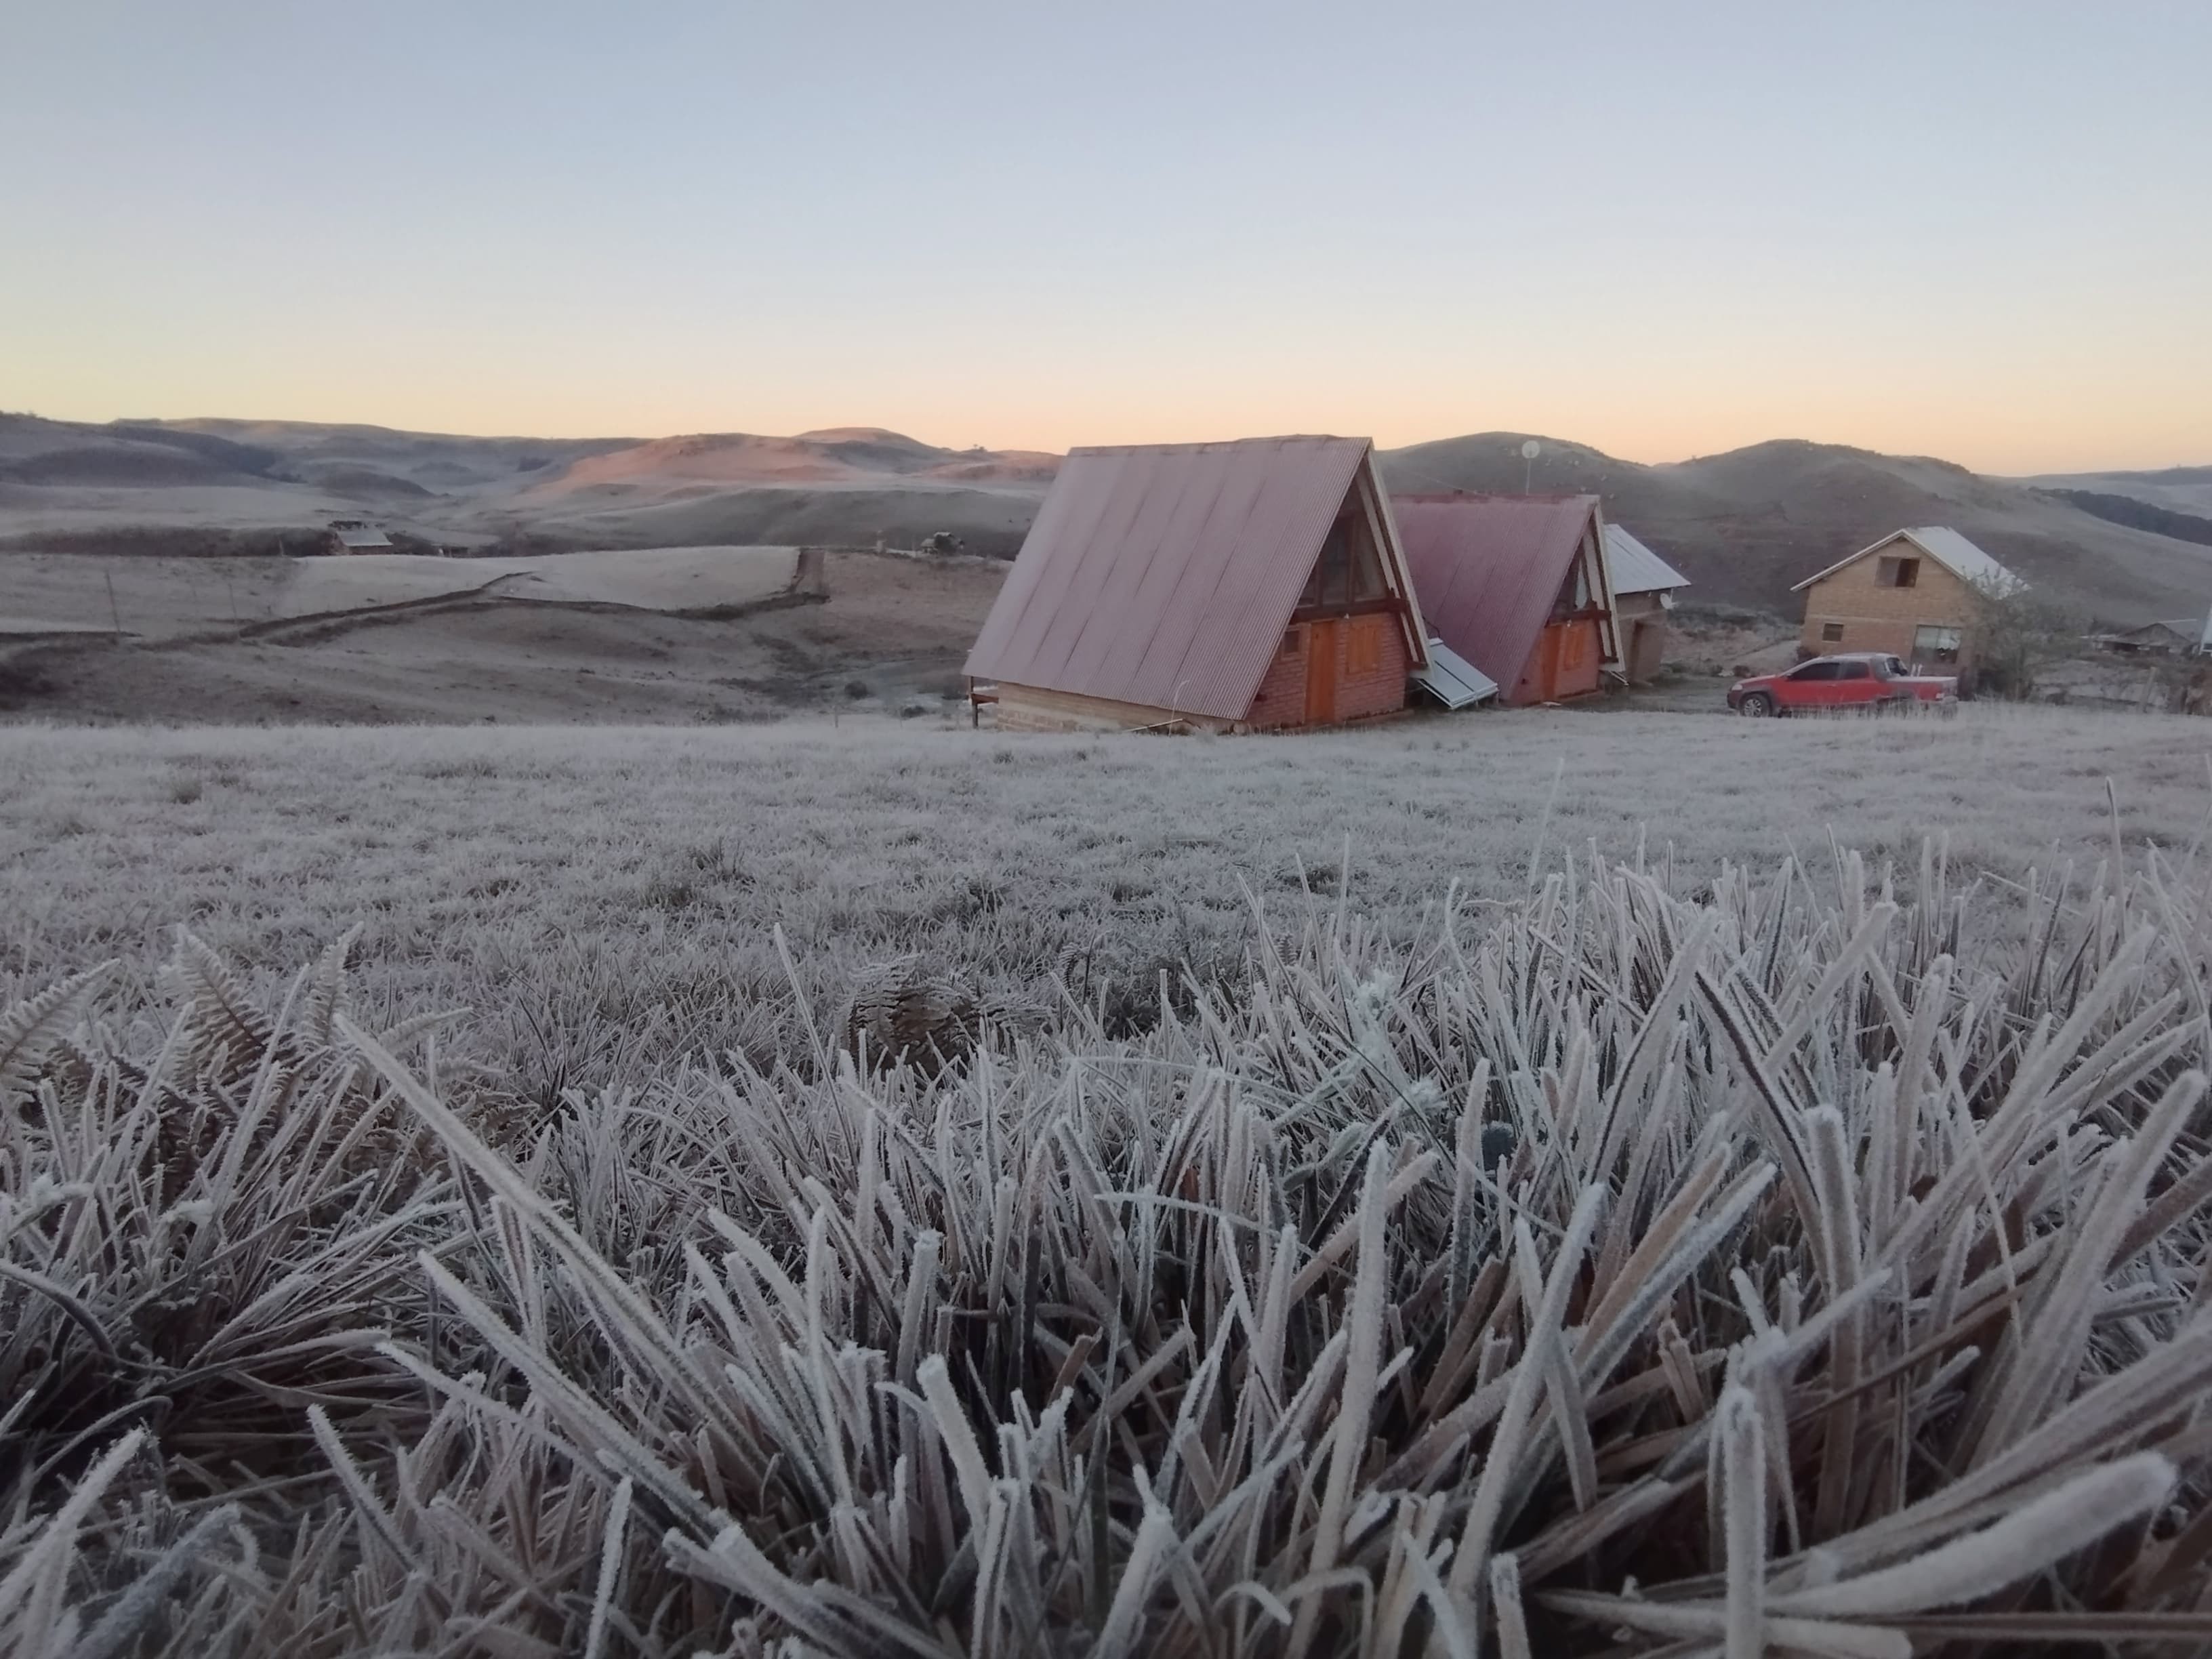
point(1487, 568)
point(1164, 574)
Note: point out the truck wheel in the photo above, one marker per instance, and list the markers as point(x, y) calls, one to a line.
point(1756, 706)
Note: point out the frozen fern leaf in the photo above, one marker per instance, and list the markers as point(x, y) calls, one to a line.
point(30, 1032)
point(221, 1020)
point(326, 989)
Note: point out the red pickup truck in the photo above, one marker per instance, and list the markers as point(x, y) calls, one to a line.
point(1864, 679)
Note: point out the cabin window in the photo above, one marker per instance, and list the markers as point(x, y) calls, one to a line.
point(1831, 632)
point(1348, 573)
point(1293, 642)
point(1573, 598)
point(1936, 644)
point(1897, 573)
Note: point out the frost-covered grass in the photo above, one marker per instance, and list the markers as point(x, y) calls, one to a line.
point(604, 898)
point(1504, 1249)
point(1755, 1273)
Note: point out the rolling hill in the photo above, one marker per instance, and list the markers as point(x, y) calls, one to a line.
point(2176, 488)
point(1746, 525)
point(1743, 525)
point(255, 486)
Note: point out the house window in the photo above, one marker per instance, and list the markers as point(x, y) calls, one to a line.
point(1831, 632)
point(1573, 598)
point(1936, 644)
point(1897, 573)
point(1349, 572)
point(1293, 642)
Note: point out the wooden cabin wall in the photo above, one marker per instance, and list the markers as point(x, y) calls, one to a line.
point(1367, 662)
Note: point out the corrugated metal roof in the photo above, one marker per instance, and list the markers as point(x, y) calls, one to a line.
point(1487, 568)
point(1636, 568)
point(1164, 574)
point(1946, 547)
point(1451, 679)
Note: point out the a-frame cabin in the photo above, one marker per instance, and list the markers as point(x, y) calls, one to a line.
point(1518, 585)
point(1251, 585)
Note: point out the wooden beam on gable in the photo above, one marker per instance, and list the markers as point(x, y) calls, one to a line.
point(1395, 572)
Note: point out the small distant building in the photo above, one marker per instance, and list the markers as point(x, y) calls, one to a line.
point(1251, 585)
point(2178, 637)
point(1517, 584)
point(1643, 586)
point(354, 536)
point(1911, 594)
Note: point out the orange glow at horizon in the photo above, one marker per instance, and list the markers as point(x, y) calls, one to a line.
point(1034, 229)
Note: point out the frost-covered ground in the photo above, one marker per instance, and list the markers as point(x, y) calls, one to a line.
point(1667, 1251)
point(652, 578)
point(599, 894)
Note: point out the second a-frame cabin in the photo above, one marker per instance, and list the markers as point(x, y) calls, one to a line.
point(1518, 585)
point(1249, 585)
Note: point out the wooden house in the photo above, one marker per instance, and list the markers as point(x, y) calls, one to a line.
point(2176, 637)
point(347, 536)
point(1236, 586)
point(1517, 584)
point(1643, 588)
point(1912, 594)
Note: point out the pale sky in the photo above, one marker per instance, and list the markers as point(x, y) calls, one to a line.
point(1983, 232)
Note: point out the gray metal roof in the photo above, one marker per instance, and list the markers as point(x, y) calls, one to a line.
point(362, 538)
point(1946, 547)
point(1451, 679)
point(1636, 568)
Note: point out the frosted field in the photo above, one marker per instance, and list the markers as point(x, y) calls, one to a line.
point(619, 886)
point(158, 598)
point(650, 578)
point(1475, 1259)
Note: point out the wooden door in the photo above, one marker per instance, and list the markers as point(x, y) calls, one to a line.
point(1321, 671)
point(1546, 657)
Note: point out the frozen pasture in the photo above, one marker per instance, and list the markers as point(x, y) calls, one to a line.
point(645, 579)
point(1484, 1250)
point(597, 895)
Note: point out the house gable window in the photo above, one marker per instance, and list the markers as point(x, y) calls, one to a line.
point(1897, 573)
point(1349, 572)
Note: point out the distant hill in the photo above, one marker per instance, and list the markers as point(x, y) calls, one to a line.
point(1743, 525)
point(2176, 488)
point(1746, 525)
point(2139, 514)
point(245, 485)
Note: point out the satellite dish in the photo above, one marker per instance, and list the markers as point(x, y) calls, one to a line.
point(1530, 450)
